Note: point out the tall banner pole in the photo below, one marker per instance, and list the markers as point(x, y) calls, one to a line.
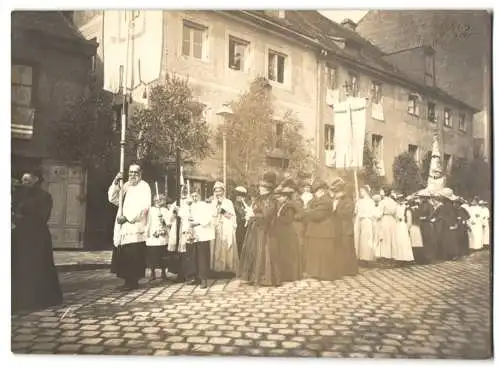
point(124, 78)
point(178, 196)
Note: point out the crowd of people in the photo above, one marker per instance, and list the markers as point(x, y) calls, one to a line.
point(284, 233)
point(287, 232)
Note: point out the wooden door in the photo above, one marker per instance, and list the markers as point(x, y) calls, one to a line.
point(66, 184)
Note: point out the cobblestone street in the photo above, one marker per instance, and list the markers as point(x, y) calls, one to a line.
point(437, 311)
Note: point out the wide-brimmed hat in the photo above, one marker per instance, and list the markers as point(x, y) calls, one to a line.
point(287, 186)
point(268, 180)
point(240, 190)
point(218, 185)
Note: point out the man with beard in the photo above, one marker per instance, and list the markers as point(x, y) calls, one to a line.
point(129, 254)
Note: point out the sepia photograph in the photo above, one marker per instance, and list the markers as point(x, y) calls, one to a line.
point(291, 183)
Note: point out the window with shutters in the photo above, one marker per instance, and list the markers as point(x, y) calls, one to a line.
point(276, 66)
point(22, 98)
point(194, 40)
point(413, 104)
point(331, 78)
point(431, 112)
point(329, 137)
point(447, 118)
point(462, 125)
point(413, 151)
point(237, 53)
point(376, 92)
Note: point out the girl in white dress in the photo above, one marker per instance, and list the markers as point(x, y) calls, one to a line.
point(365, 218)
point(157, 237)
point(486, 223)
point(475, 226)
point(403, 247)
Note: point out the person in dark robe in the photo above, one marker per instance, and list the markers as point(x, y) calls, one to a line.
point(240, 207)
point(446, 225)
point(424, 214)
point(319, 255)
point(35, 283)
point(259, 255)
point(286, 236)
point(345, 262)
point(463, 228)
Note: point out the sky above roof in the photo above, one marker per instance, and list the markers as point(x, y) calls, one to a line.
point(340, 15)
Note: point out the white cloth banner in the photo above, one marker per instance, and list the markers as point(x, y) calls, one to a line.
point(350, 127)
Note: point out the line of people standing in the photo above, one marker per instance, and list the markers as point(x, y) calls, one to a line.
point(421, 228)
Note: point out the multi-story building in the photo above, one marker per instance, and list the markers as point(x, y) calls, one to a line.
point(309, 61)
point(457, 46)
point(51, 65)
point(221, 52)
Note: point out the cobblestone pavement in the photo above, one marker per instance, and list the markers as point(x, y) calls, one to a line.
point(438, 311)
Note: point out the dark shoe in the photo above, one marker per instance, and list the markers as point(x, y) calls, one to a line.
point(203, 284)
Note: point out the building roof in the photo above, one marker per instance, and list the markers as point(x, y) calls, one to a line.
point(49, 23)
point(326, 34)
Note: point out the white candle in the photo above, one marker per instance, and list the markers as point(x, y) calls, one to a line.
point(156, 186)
point(189, 187)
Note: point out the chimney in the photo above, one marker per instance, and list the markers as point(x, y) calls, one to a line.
point(349, 24)
point(281, 14)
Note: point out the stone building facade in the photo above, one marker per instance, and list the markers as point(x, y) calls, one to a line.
point(51, 65)
point(316, 59)
point(462, 44)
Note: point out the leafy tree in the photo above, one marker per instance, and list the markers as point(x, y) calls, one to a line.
point(173, 119)
point(406, 173)
point(469, 178)
point(257, 142)
point(86, 132)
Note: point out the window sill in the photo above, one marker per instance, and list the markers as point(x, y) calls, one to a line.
point(282, 86)
point(196, 60)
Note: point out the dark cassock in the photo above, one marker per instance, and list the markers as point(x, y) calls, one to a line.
point(241, 222)
point(463, 228)
point(319, 254)
point(345, 260)
point(259, 255)
point(285, 232)
point(35, 283)
point(424, 214)
point(446, 225)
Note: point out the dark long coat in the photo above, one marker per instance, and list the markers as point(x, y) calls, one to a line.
point(446, 226)
point(287, 242)
point(424, 214)
point(259, 255)
point(241, 229)
point(345, 261)
point(463, 234)
point(319, 254)
point(35, 283)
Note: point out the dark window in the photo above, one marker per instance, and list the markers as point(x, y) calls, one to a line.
point(237, 53)
point(431, 112)
point(329, 137)
point(276, 67)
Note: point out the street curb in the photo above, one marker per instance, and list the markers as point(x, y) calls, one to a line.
point(83, 267)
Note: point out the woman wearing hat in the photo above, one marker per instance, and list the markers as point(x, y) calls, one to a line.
point(287, 242)
point(224, 252)
point(446, 225)
point(35, 283)
point(318, 254)
point(345, 261)
point(259, 253)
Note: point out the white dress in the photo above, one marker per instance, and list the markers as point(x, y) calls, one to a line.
point(486, 225)
point(223, 251)
point(365, 215)
point(154, 225)
point(476, 227)
point(403, 249)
